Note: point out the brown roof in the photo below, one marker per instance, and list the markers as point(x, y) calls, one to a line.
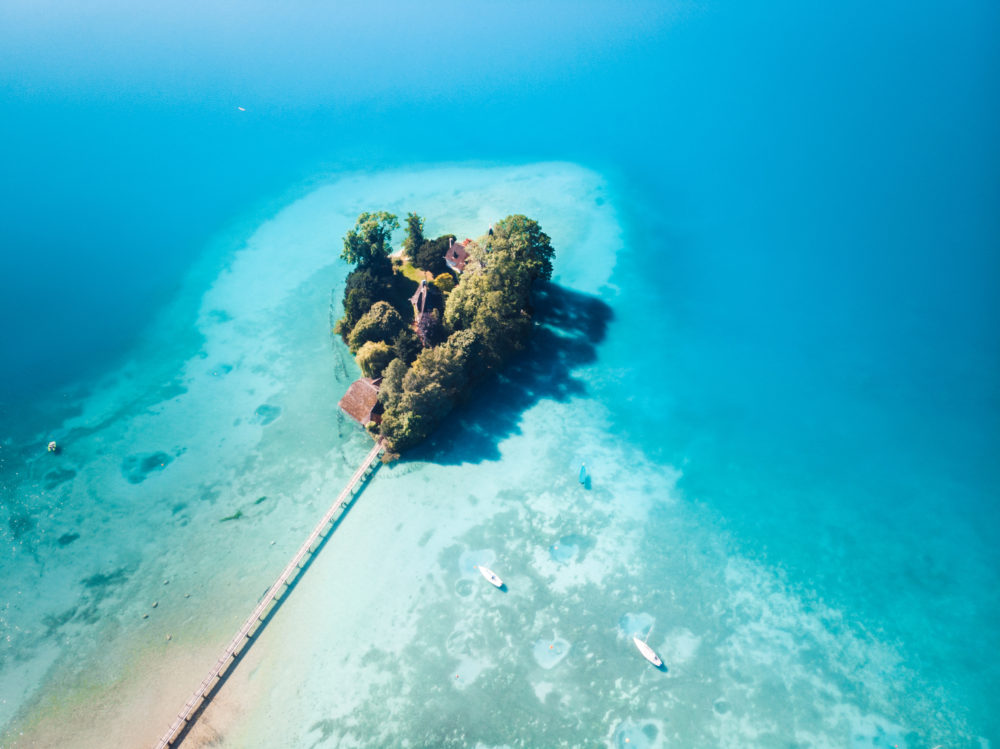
point(360, 400)
point(456, 256)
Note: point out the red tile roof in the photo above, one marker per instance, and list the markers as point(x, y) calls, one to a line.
point(457, 256)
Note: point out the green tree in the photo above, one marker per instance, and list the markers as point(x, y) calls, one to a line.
point(373, 357)
point(430, 255)
point(367, 244)
point(406, 346)
point(492, 303)
point(380, 323)
point(392, 383)
point(362, 289)
point(526, 237)
point(445, 282)
point(402, 428)
point(414, 235)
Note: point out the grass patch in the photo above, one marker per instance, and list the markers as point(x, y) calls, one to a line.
point(412, 273)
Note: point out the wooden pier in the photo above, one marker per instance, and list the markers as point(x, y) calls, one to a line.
point(253, 623)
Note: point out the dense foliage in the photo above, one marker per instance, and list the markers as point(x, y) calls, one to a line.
point(414, 234)
point(373, 357)
point(445, 282)
point(373, 279)
point(430, 255)
point(380, 323)
point(471, 325)
point(367, 244)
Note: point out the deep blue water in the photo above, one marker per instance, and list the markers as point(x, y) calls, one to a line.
point(810, 192)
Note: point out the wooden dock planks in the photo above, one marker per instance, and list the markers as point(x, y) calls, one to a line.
point(253, 622)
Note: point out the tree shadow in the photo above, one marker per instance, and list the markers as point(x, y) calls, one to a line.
point(569, 325)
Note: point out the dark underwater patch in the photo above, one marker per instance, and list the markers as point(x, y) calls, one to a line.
point(265, 414)
point(53, 622)
point(52, 479)
point(20, 524)
point(136, 468)
point(67, 538)
point(172, 390)
point(105, 580)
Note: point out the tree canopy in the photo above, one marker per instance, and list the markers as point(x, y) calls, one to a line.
point(414, 235)
point(430, 255)
point(471, 326)
point(373, 357)
point(367, 244)
point(445, 282)
point(527, 240)
point(380, 323)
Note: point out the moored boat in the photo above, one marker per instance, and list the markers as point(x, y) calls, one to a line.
point(490, 575)
point(647, 652)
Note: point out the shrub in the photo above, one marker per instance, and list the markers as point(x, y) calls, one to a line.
point(445, 282)
point(381, 323)
point(373, 357)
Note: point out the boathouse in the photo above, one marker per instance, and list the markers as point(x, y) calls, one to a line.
point(360, 402)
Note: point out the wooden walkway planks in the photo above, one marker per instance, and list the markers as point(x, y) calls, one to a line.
point(250, 626)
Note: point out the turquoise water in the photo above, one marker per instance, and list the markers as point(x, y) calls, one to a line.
point(800, 347)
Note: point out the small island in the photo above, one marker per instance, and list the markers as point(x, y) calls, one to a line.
point(427, 323)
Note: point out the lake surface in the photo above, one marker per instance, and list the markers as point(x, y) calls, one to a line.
point(776, 237)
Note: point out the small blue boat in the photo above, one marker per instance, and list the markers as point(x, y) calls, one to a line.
point(583, 473)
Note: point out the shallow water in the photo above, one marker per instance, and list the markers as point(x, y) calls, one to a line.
point(775, 349)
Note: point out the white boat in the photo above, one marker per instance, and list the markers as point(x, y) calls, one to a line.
point(491, 576)
point(647, 652)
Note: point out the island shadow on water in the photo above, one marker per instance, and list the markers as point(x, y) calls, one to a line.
point(569, 325)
